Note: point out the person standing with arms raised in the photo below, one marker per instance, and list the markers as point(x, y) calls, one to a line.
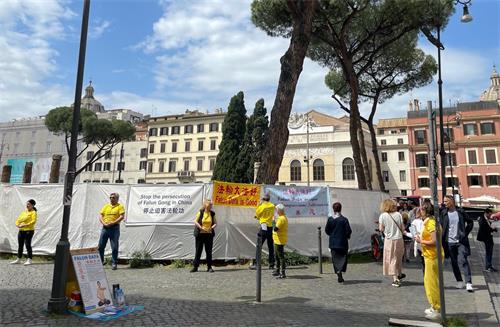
point(265, 213)
point(26, 225)
point(111, 216)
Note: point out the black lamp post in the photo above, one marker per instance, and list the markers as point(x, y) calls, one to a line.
point(57, 302)
point(436, 41)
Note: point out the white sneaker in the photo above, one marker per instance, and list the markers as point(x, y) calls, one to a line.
point(469, 288)
point(28, 262)
point(435, 315)
point(460, 285)
point(429, 311)
point(15, 261)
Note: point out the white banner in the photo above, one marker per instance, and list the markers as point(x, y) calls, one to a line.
point(153, 205)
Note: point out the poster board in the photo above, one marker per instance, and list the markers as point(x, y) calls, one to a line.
point(300, 201)
point(92, 281)
point(171, 204)
point(236, 194)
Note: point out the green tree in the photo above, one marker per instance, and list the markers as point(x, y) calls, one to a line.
point(254, 143)
point(400, 68)
point(349, 35)
point(102, 133)
point(233, 132)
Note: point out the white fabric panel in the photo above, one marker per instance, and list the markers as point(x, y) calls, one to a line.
point(236, 231)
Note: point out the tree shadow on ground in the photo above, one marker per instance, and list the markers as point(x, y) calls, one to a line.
point(361, 281)
point(302, 277)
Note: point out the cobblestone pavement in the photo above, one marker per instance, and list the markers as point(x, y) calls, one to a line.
point(175, 297)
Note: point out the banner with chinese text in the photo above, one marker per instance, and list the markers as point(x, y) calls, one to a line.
point(153, 205)
point(236, 194)
point(300, 201)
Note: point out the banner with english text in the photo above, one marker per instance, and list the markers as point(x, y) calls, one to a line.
point(170, 204)
point(300, 201)
point(236, 194)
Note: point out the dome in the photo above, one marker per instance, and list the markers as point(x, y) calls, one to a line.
point(493, 92)
point(89, 102)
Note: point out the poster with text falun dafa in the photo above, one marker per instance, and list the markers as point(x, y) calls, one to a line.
point(236, 194)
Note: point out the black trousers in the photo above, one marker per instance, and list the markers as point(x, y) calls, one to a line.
point(207, 240)
point(279, 251)
point(488, 246)
point(267, 235)
point(458, 256)
point(25, 237)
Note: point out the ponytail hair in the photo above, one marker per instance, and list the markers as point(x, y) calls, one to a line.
point(33, 203)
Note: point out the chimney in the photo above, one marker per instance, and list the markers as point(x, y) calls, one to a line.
point(410, 106)
point(416, 104)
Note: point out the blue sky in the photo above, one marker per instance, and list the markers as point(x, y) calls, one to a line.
point(162, 57)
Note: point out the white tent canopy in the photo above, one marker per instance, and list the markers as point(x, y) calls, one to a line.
point(484, 199)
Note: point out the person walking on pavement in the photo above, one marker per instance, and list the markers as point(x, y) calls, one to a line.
point(26, 225)
point(427, 239)
point(484, 235)
point(418, 225)
point(280, 237)
point(110, 217)
point(456, 228)
point(339, 232)
point(204, 232)
point(265, 213)
point(391, 224)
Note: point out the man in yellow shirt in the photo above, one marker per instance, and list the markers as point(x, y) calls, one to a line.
point(265, 213)
point(111, 216)
point(280, 236)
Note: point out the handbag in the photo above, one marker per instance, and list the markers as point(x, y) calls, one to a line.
point(399, 227)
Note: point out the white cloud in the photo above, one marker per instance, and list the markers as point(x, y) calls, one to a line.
point(26, 57)
point(97, 30)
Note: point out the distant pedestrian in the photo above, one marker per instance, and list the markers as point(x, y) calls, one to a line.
point(110, 217)
point(456, 228)
point(429, 250)
point(391, 224)
point(26, 225)
point(407, 239)
point(339, 232)
point(485, 235)
point(418, 225)
point(264, 214)
point(280, 237)
point(204, 232)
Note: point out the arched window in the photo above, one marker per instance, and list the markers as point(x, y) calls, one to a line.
point(348, 173)
point(318, 170)
point(295, 171)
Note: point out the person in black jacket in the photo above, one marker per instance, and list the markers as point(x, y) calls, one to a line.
point(204, 232)
point(339, 232)
point(456, 228)
point(484, 235)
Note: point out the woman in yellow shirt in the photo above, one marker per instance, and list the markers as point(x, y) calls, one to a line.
point(204, 232)
point(429, 252)
point(280, 237)
point(26, 224)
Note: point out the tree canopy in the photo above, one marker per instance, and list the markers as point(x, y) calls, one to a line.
point(102, 133)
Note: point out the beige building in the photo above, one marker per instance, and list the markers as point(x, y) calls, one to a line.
point(393, 149)
point(183, 148)
point(327, 142)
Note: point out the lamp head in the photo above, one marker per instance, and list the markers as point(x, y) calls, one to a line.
point(466, 17)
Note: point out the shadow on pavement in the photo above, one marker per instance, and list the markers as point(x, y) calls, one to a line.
point(302, 277)
point(365, 281)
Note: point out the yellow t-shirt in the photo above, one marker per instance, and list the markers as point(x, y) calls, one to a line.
point(206, 222)
point(27, 217)
point(429, 251)
point(265, 213)
point(111, 212)
point(281, 236)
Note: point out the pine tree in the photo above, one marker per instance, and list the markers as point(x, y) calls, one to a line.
point(244, 167)
point(233, 132)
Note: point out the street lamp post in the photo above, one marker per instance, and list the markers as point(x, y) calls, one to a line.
point(57, 302)
point(436, 41)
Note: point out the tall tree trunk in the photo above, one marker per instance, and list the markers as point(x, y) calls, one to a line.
point(302, 13)
point(375, 156)
point(364, 157)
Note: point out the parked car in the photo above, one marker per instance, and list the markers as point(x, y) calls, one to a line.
point(495, 216)
point(474, 212)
